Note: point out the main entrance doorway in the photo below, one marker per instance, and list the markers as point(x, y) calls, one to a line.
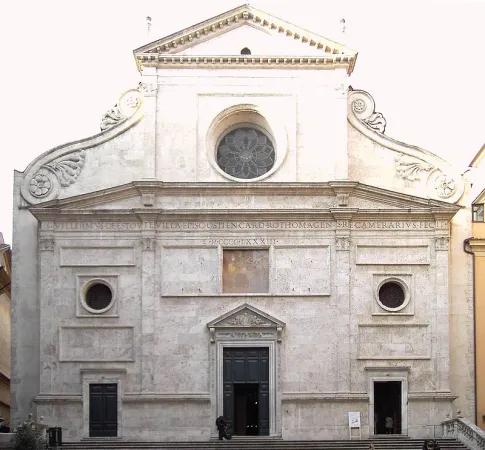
point(103, 410)
point(387, 407)
point(246, 390)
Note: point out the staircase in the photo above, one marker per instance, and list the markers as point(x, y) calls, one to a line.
point(258, 443)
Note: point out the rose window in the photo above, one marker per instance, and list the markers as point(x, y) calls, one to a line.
point(246, 153)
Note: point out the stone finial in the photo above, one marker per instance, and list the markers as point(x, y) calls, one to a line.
point(342, 25)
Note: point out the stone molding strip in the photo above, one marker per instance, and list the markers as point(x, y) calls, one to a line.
point(323, 396)
point(412, 162)
point(58, 398)
point(431, 395)
point(61, 166)
point(167, 397)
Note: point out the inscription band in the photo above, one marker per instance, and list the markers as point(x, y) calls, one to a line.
point(246, 226)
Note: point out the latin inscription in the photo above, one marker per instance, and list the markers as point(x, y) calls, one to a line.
point(245, 226)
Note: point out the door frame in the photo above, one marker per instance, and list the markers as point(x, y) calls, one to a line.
point(383, 374)
point(102, 376)
point(274, 411)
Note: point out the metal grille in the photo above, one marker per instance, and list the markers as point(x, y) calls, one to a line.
point(245, 153)
point(98, 296)
point(391, 295)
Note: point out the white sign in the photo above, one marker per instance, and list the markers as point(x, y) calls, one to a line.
point(354, 419)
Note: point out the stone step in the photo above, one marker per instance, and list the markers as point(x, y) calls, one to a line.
point(399, 443)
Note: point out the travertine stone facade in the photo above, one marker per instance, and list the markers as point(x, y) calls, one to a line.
point(145, 210)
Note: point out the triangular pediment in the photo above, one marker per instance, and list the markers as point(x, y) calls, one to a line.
point(246, 316)
point(270, 39)
point(260, 201)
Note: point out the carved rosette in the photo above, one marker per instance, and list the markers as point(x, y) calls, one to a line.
point(362, 106)
point(444, 186)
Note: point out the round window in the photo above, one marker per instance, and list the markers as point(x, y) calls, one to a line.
point(392, 295)
point(98, 297)
point(245, 153)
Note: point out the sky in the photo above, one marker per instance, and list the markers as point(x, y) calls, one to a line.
point(64, 63)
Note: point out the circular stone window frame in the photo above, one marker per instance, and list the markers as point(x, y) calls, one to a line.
point(88, 285)
point(404, 287)
point(252, 116)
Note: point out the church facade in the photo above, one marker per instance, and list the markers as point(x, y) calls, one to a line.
point(243, 239)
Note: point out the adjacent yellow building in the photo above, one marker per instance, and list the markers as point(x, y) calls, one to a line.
point(5, 298)
point(476, 245)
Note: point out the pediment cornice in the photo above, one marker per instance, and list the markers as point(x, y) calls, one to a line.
point(163, 52)
point(148, 191)
point(245, 316)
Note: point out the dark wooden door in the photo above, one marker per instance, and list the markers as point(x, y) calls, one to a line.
point(251, 366)
point(103, 410)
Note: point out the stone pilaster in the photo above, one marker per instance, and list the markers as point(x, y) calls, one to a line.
point(342, 288)
point(47, 301)
point(441, 326)
point(148, 309)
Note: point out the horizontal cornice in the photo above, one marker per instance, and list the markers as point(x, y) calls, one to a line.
point(327, 62)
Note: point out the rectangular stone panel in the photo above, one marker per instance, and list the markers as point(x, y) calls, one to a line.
point(97, 256)
point(96, 344)
point(394, 342)
point(395, 254)
point(190, 270)
point(301, 270)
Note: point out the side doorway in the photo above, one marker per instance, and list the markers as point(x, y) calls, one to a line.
point(387, 407)
point(246, 390)
point(103, 410)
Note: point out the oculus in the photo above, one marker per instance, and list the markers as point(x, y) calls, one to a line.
point(392, 296)
point(245, 153)
point(98, 297)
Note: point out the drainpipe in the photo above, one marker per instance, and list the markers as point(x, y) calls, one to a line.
point(466, 243)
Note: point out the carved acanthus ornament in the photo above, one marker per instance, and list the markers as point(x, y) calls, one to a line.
point(409, 168)
point(148, 244)
point(246, 319)
point(66, 170)
point(442, 243)
point(342, 243)
point(46, 244)
point(126, 107)
point(366, 114)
